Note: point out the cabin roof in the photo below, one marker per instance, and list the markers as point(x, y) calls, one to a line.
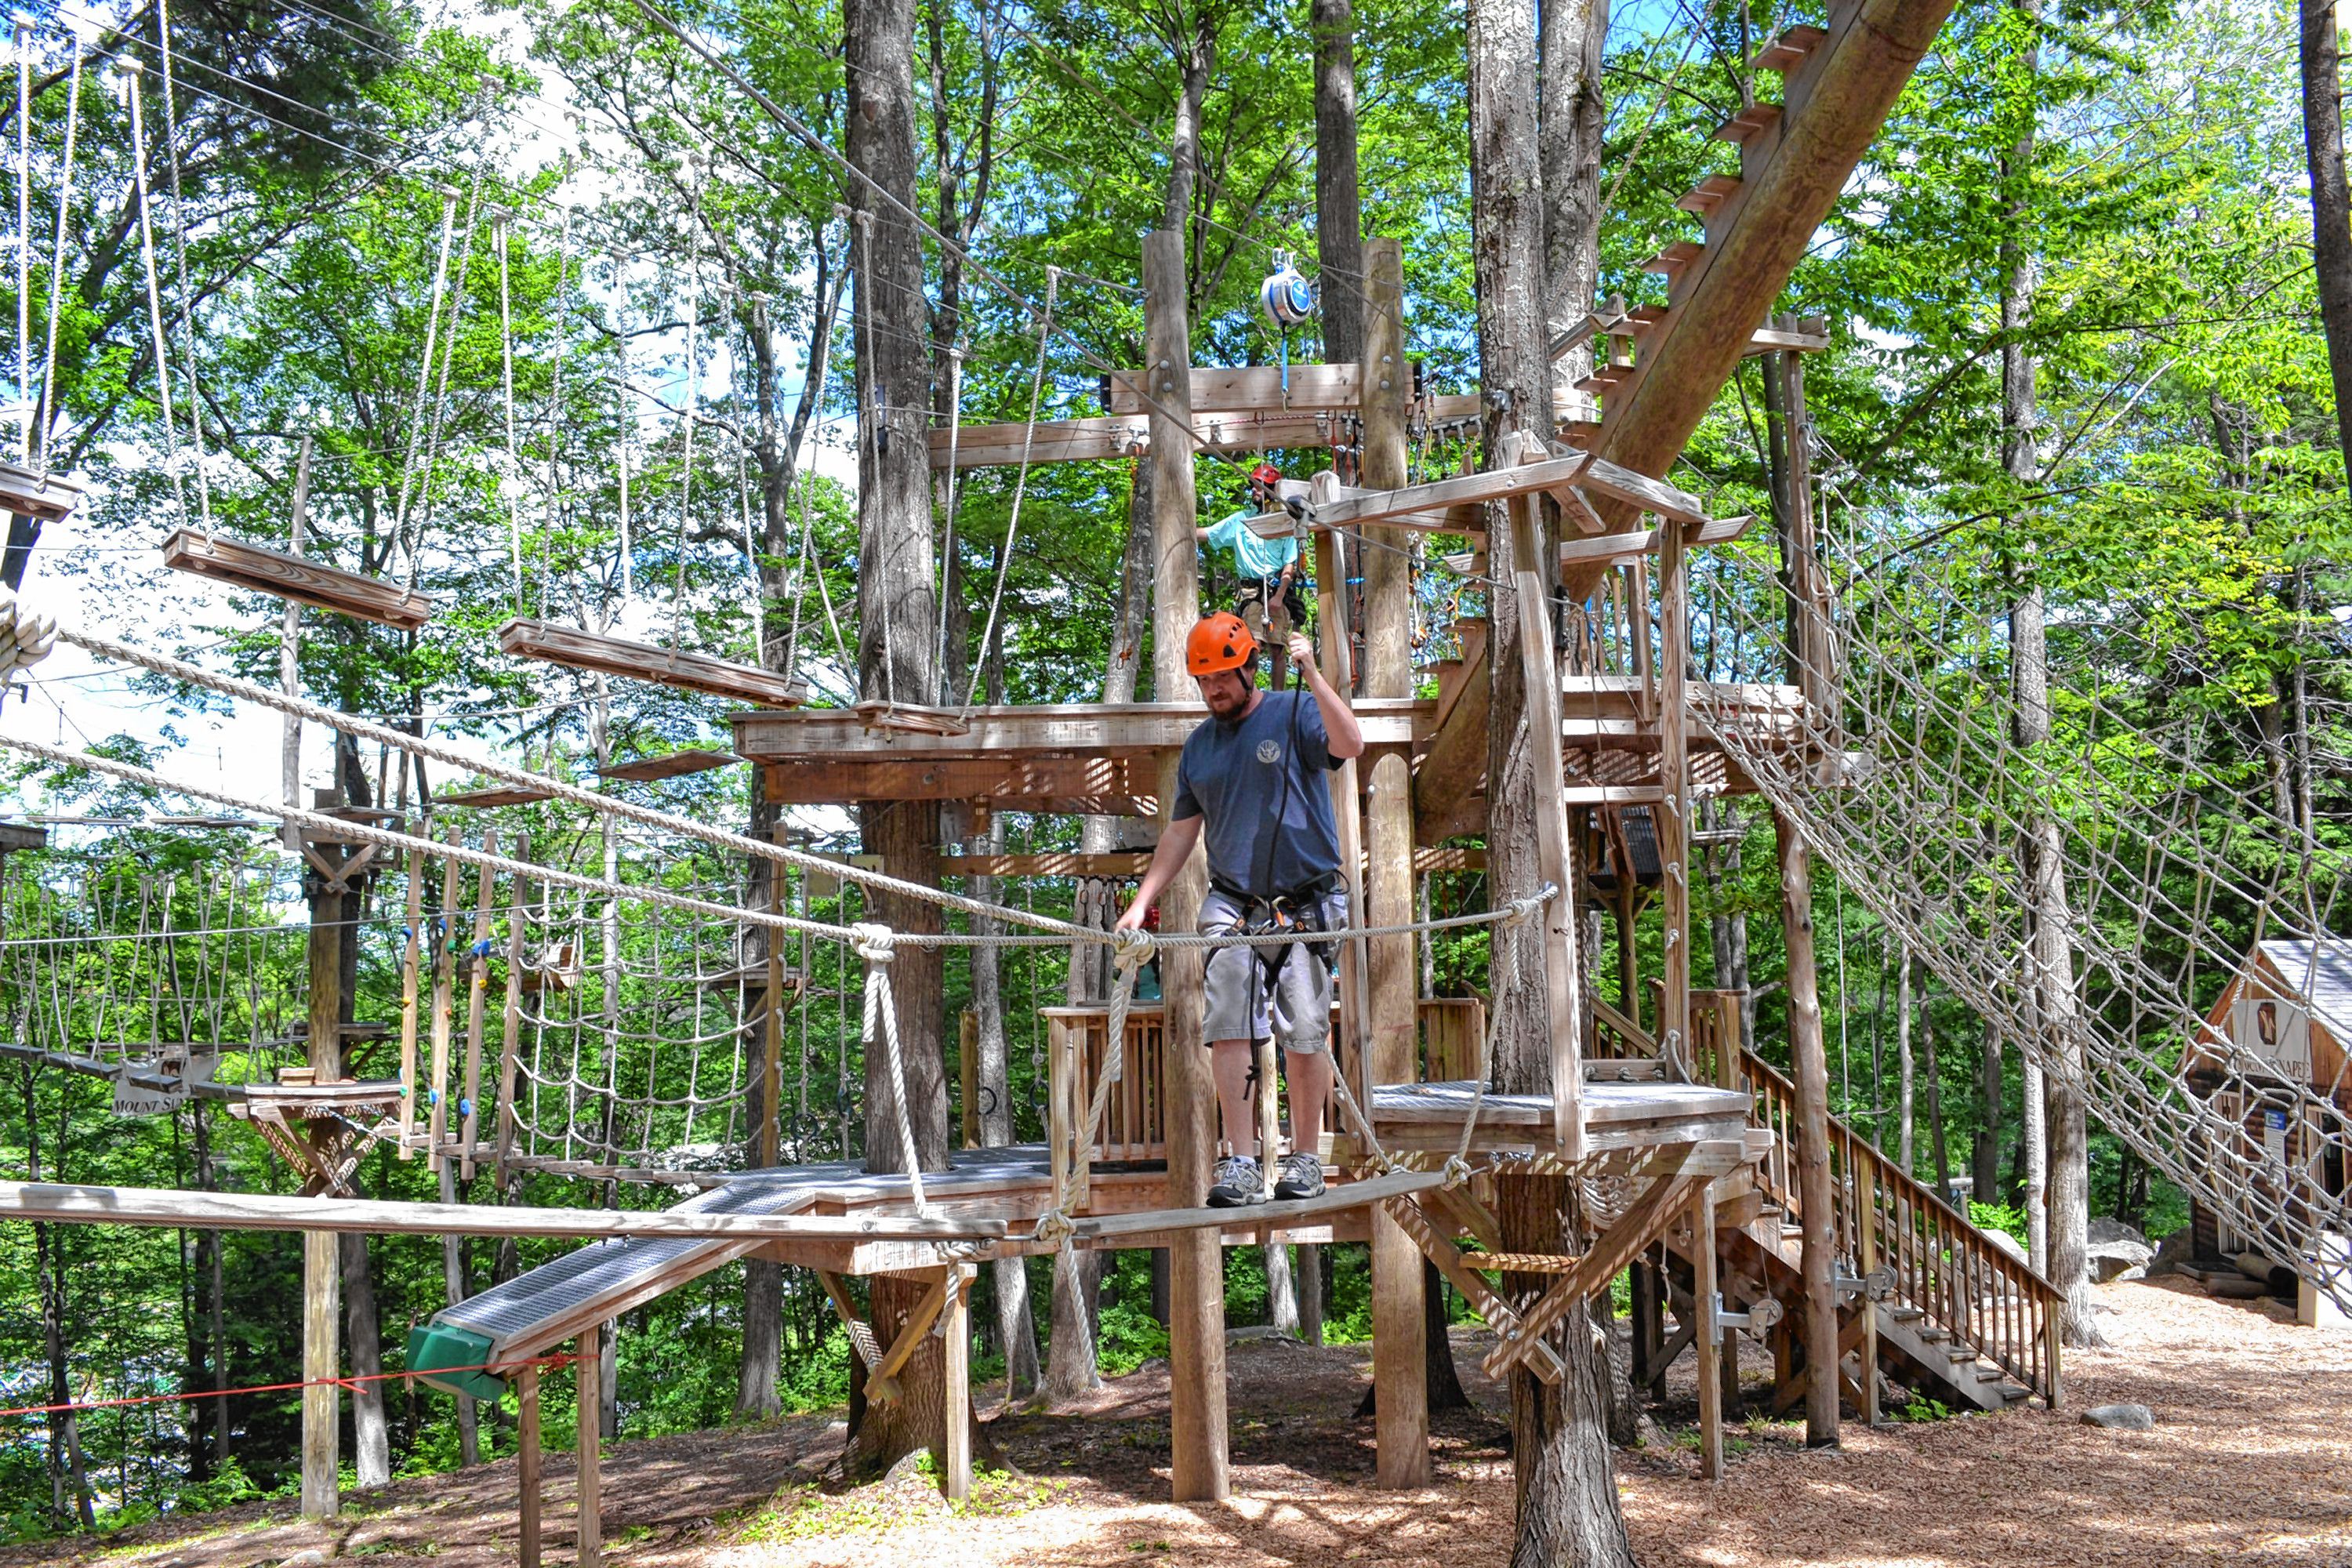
point(2320, 973)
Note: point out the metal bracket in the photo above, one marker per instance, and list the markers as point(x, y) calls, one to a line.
point(1755, 1320)
point(1876, 1286)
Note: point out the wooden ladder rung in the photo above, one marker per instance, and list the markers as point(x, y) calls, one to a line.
point(1789, 50)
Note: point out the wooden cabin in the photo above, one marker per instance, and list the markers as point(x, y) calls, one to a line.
point(2274, 1064)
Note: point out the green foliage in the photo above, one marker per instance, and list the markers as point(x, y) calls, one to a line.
point(2010, 1221)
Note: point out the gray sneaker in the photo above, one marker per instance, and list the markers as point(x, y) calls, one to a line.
point(1238, 1184)
point(1302, 1177)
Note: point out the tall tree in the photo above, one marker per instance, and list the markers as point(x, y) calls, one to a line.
point(1568, 1510)
point(896, 655)
point(2331, 206)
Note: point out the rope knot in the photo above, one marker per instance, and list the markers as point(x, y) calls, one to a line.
point(875, 943)
point(1131, 948)
point(1456, 1171)
point(1054, 1228)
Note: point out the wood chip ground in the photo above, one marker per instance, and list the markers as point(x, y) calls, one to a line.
point(2248, 1466)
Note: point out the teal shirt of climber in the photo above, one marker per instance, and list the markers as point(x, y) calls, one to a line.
point(1253, 556)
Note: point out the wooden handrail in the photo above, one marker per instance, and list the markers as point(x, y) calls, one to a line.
point(1942, 1263)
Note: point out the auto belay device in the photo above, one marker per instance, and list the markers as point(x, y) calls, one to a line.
point(1288, 299)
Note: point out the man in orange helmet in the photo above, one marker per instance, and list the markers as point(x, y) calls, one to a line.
point(1251, 784)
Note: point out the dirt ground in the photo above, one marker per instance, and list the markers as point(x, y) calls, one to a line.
point(2247, 1465)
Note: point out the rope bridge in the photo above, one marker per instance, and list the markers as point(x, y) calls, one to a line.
point(2090, 893)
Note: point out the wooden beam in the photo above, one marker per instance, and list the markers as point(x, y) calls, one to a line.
point(1110, 786)
point(296, 577)
point(529, 1498)
point(1250, 388)
point(1336, 1198)
point(1085, 730)
point(1423, 507)
point(1112, 864)
point(495, 795)
point(173, 1208)
point(955, 1376)
point(526, 638)
point(1129, 436)
point(1791, 175)
point(1610, 548)
point(1808, 1067)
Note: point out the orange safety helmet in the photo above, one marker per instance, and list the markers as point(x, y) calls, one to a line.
point(1218, 642)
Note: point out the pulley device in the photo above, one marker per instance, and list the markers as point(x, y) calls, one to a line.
point(1288, 300)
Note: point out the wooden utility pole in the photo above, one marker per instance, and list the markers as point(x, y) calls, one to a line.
point(1400, 1347)
point(1196, 1291)
point(528, 1496)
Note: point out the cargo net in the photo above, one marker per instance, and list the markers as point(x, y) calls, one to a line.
point(2090, 879)
point(640, 1024)
point(154, 959)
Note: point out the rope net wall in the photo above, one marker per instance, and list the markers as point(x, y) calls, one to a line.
point(2090, 893)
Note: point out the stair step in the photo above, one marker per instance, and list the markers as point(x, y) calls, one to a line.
point(1449, 685)
point(1956, 1355)
point(1907, 1314)
point(1748, 124)
point(1789, 50)
point(1708, 193)
point(2013, 1392)
point(1675, 258)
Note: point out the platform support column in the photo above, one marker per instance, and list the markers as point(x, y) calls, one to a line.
point(322, 1250)
point(527, 1463)
point(1865, 1214)
point(1705, 1283)
point(587, 1376)
point(1672, 822)
point(955, 1377)
point(1196, 1285)
point(1400, 1347)
point(1808, 1064)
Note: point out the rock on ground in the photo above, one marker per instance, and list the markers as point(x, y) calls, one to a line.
point(2121, 1417)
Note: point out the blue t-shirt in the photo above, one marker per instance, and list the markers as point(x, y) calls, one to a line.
point(1253, 556)
point(1232, 776)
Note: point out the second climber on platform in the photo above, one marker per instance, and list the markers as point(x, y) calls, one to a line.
point(1267, 598)
point(1250, 783)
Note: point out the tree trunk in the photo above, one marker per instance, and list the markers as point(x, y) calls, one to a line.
point(1984, 1155)
point(2050, 957)
point(1568, 1510)
point(1281, 1291)
point(756, 1375)
point(372, 1446)
point(897, 624)
point(1569, 145)
point(1905, 1083)
point(1070, 1364)
point(1339, 200)
point(66, 1471)
point(1444, 1389)
point(2331, 207)
point(1939, 1149)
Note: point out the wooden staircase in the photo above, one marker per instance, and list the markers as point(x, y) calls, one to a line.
point(1942, 1308)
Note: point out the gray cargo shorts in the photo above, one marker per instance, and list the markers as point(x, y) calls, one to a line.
point(1297, 1015)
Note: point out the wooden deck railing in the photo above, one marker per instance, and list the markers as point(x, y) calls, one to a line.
point(1965, 1284)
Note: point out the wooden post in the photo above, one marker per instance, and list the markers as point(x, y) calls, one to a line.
point(1399, 1344)
point(444, 982)
point(476, 1004)
point(1347, 798)
point(771, 1071)
point(526, 1462)
point(1704, 1289)
point(1808, 1065)
point(511, 1042)
point(1865, 1218)
point(290, 648)
point(1561, 975)
point(321, 1252)
point(410, 951)
point(1196, 1286)
point(955, 1374)
point(1671, 819)
point(587, 1375)
point(966, 1072)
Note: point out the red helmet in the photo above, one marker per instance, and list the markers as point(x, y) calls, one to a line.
point(1218, 642)
point(1265, 474)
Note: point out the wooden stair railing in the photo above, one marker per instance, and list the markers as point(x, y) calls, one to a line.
point(1940, 1263)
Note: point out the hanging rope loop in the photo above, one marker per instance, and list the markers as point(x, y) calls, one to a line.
point(876, 943)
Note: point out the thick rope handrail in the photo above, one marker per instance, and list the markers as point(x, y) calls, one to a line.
point(876, 946)
point(399, 740)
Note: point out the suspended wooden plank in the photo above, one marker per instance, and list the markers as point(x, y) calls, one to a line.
point(298, 578)
point(577, 649)
point(1225, 389)
point(669, 765)
point(497, 795)
point(34, 494)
